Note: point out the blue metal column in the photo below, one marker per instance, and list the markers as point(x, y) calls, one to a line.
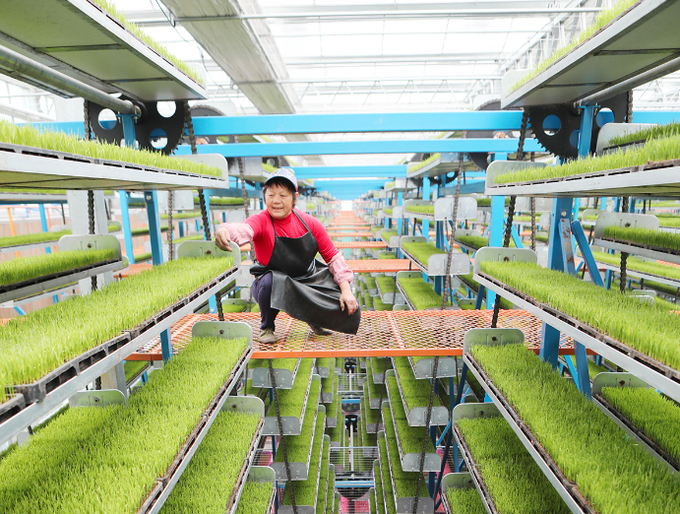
point(43, 223)
point(151, 200)
point(426, 196)
point(127, 232)
point(496, 228)
point(400, 201)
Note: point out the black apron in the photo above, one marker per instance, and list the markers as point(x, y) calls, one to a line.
point(303, 287)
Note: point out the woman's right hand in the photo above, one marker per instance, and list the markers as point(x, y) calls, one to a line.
point(223, 239)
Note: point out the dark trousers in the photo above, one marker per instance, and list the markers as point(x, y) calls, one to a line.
point(261, 290)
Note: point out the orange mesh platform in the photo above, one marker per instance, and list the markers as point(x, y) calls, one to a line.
point(360, 244)
point(350, 234)
point(342, 228)
point(380, 265)
point(381, 334)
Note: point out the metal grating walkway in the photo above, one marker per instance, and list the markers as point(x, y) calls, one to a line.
point(340, 245)
point(382, 333)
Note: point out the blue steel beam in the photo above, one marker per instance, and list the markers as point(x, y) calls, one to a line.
point(348, 172)
point(365, 147)
point(386, 122)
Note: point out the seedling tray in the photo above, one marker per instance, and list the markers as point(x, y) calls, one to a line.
point(284, 378)
point(416, 414)
point(300, 470)
point(12, 406)
point(292, 425)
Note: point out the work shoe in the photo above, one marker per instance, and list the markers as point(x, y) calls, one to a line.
point(319, 331)
point(268, 336)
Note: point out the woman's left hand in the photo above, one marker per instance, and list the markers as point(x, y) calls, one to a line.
point(348, 300)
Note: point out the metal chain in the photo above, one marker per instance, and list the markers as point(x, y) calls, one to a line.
point(428, 418)
point(532, 207)
point(506, 243)
point(241, 172)
point(190, 127)
point(90, 192)
point(201, 200)
point(522, 135)
point(624, 255)
point(282, 443)
point(449, 257)
point(171, 228)
point(629, 107)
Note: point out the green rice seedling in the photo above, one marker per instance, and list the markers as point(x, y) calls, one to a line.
point(657, 416)
point(376, 391)
point(331, 492)
point(387, 256)
point(653, 334)
point(416, 393)
point(465, 501)
point(371, 501)
point(209, 480)
point(218, 200)
point(594, 369)
point(25, 239)
point(655, 132)
point(371, 416)
point(542, 237)
point(291, 400)
point(142, 257)
point(654, 268)
point(405, 483)
point(379, 305)
point(498, 454)
point(333, 410)
point(645, 236)
point(134, 368)
point(655, 150)
point(123, 449)
point(136, 31)
point(422, 251)
point(297, 446)
point(388, 211)
point(26, 135)
point(311, 206)
point(387, 234)
point(476, 242)
point(388, 490)
point(324, 491)
point(43, 340)
point(376, 228)
point(231, 307)
point(421, 209)
point(604, 18)
point(386, 284)
point(255, 497)
point(413, 167)
point(144, 231)
point(411, 437)
point(370, 282)
point(379, 493)
point(288, 364)
point(29, 268)
point(39, 237)
point(421, 293)
point(578, 435)
point(369, 300)
point(182, 215)
point(668, 220)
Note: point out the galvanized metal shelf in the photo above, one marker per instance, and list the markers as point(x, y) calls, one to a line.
point(653, 372)
point(260, 474)
point(370, 428)
point(23, 166)
point(292, 425)
point(81, 40)
point(436, 264)
point(111, 353)
point(285, 379)
point(55, 280)
point(443, 209)
point(615, 379)
point(455, 481)
point(411, 461)
point(445, 163)
point(372, 402)
point(424, 367)
point(404, 505)
point(473, 411)
point(649, 180)
point(311, 509)
point(300, 470)
point(328, 397)
point(417, 415)
point(394, 298)
point(226, 403)
point(31, 198)
point(623, 52)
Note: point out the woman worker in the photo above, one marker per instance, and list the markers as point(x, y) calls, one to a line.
point(287, 275)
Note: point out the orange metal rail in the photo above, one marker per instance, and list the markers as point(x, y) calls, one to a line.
point(381, 334)
point(380, 266)
point(350, 234)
